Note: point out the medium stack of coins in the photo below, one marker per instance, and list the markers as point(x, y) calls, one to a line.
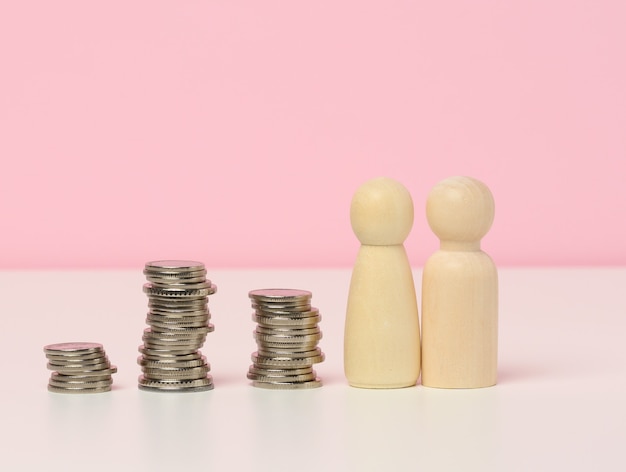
point(79, 368)
point(179, 317)
point(287, 335)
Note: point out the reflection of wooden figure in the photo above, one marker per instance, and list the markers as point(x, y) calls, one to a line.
point(459, 289)
point(382, 337)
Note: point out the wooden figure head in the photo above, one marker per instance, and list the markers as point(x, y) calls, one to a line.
point(381, 212)
point(460, 209)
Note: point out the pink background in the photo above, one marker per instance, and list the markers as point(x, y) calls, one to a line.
point(236, 132)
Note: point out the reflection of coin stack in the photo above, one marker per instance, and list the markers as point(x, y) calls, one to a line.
point(287, 335)
point(178, 300)
point(79, 368)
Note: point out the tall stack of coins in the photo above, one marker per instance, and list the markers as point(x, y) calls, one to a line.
point(79, 368)
point(178, 294)
point(287, 335)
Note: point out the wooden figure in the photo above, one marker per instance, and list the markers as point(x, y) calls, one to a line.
point(382, 337)
point(459, 289)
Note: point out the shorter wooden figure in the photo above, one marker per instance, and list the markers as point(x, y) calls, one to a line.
point(382, 337)
point(459, 289)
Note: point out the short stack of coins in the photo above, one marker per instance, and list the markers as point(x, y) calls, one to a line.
point(287, 334)
point(79, 368)
point(178, 294)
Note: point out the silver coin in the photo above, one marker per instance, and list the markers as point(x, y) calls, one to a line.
point(79, 376)
point(287, 385)
point(175, 274)
point(172, 343)
point(80, 384)
point(286, 339)
point(262, 361)
point(166, 316)
point(100, 369)
point(286, 347)
point(269, 371)
point(290, 310)
point(178, 304)
point(68, 369)
point(199, 330)
point(86, 359)
point(160, 327)
point(54, 389)
point(75, 360)
point(182, 278)
point(159, 354)
point(178, 352)
point(186, 286)
point(175, 293)
point(183, 374)
point(185, 346)
point(176, 386)
point(277, 355)
point(286, 321)
point(281, 378)
point(179, 313)
point(74, 348)
point(275, 294)
point(172, 364)
point(173, 334)
point(151, 318)
point(174, 266)
point(287, 331)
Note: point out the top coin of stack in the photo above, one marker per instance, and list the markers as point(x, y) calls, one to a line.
point(178, 318)
point(287, 335)
point(79, 368)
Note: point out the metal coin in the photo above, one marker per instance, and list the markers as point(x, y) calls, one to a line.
point(59, 378)
point(169, 352)
point(281, 378)
point(285, 321)
point(262, 361)
point(286, 339)
point(204, 285)
point(75, 348)
point(168, 279)
point(178, 304)
point(269, 371)
point(174, 266)
point(175, 293)
point(174, 314)
point(199, 330)
point(80, 384)
point(176, 386)
point(54, 389)
point(172, 364)
point(281, 309)
point(68, 369)
point(182, 374)
point(178, 320)
point(289, 354)
point(287, 331)
point(287, 385)
point(274, 294)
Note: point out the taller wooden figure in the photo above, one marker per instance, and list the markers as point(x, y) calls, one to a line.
point(382, 334)
point(459, 289)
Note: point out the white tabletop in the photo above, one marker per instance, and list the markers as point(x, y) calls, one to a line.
point(560, 403)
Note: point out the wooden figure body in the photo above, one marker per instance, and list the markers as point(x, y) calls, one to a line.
point(459, 289)
point(382, 336)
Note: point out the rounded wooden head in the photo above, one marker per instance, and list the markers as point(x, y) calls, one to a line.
point(381, 212)
point(460, 209)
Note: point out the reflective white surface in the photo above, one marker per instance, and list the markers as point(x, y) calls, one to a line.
point(560, 403)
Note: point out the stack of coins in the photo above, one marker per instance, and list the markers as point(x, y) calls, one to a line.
point(178, 317)
point(287, 335)
point(79, 368)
